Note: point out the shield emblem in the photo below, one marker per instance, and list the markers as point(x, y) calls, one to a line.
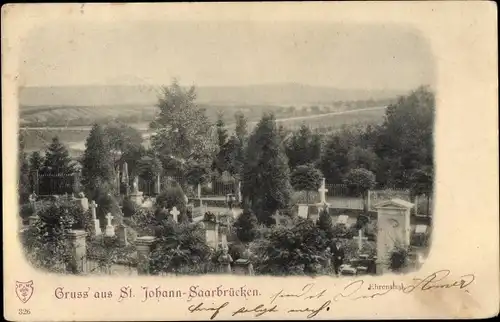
point(24, 290)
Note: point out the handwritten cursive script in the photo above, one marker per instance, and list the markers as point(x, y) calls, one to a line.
point(259, 310)
point(435, 281)
point(306, 290)
point(201, 308)
point(312, 312)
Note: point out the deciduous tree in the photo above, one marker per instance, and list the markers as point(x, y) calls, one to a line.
point(183, 137)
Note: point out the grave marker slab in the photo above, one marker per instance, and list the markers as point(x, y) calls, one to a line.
point(303, 210)
point(342, 219)
point(110, 229)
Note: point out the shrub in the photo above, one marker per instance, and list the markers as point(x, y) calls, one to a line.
point(46, 241)
point(398, 258)
point(236, 250)
point(180, 248)
point(129, 208)
point(172, 197)
point(143, 222)
point(291, 250)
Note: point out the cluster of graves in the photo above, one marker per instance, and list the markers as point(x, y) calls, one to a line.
point(392, 218)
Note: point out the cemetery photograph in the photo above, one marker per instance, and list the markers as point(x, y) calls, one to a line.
point(226, 148)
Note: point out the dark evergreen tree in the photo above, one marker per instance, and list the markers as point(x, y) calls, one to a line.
point(57, 159)
point(266, 176)
point(241, 130)
point(36, 161)
point(303, 147)
point(97, 163)
point(246, 226)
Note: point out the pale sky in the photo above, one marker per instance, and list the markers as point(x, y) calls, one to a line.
point(212, 54)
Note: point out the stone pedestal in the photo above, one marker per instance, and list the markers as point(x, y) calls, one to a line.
point(122, 235)
point(143, 245)
point(212, 233)
point(137, 197)
point(110, 231)
point(97, 227)
point(393, 223)
point(242, 267)
point(78, 253)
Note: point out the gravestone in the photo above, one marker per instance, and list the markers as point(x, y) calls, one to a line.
point(303, 210)
point(97, 227)
point(347, 270)
point(175, 213)
point(32, 200)
point(360, 239)
point(393, 222)
point(136, 195)
point(82, 201)
point(143, 245)
point(110, 229)
point(122, 235)
point(211, 224)
point(158, 184)
point(322, 192)
point(240, 199)
point(342, 220)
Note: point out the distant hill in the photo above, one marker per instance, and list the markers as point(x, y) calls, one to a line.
point(275, 94)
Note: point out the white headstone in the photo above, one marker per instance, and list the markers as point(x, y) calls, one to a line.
point(158, 184)
point(199, 191)
point(303, 209)
point(322, 191)
point(174, 212)
point(342, 219)
point(110, 229)
point(93, 206)
point(393, 224)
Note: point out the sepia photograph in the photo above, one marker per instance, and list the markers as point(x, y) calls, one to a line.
point(250, 161)
point(227, 148)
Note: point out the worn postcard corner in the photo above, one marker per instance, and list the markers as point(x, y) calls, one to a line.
point(250, 161)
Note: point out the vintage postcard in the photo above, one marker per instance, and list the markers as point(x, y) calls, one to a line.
point(240, 161)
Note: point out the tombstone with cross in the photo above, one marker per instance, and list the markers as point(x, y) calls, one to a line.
point(322, 192)
point(97, 226)
point(110, 229)
point(360, 239)
point(175, 213)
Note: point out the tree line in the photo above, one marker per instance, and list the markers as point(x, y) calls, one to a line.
point(270, 162)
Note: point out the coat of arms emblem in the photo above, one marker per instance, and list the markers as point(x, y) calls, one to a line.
point(24, 290)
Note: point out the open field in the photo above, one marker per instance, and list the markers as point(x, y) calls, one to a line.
point(74, 136)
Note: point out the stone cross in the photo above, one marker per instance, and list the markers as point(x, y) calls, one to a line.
point(199, 191)
point(322, 190)
point(174, 212)
point(109, 217)
point(93, 206)
point(360, 239)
